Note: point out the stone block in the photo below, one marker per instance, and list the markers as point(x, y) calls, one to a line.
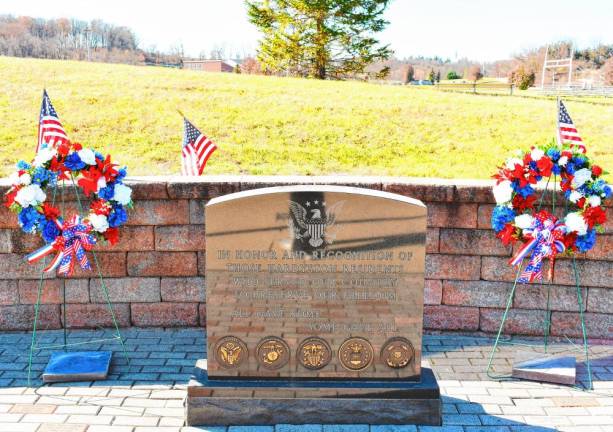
point(451, 318)
point(471, 241)
point(476, 293)
point(111, 264)
point(561, 297)
point(460, 267)
point(600, 300)
point(452, 215)
point(161, 212)
point(210, 188)
point(9, 293)
point(21, 317)
point(569, 324)
point(132, 289)
point(131, 238)
point(196, 211)
point(165, 314)
point(183, 289)
point(96, 315)
point(432, 240)
point(145, 188)
point(179, 238)
point(162, 264)
point(519, 321)
point(591, 273)
point(433, 292)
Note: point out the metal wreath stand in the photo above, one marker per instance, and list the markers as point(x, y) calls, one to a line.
point(65, 345)
point(547, 322)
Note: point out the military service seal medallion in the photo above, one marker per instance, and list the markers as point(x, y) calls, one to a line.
point(272, 353)
point(230, 352)
point(397, 352)
point(355, 354)
point(314, 353)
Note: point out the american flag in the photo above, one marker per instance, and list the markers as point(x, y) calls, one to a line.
point(196, 151)
point(50, 130)
point(567, 133)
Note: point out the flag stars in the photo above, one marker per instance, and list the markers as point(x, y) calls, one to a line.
point(316, 202)
point(308, 204)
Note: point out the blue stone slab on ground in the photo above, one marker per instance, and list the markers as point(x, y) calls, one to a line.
point(77, 366)
point(553, 369)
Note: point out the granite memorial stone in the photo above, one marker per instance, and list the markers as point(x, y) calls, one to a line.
point(314, 306)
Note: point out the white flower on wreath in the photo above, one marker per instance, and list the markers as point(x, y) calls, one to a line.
point(23, 179)
point(537, 154)
point(43, 156)
point(575, 223)
point(511, 162)
point(31, 195)
point(575, 196)
point(524, 221)
point(503, 192)
point(563, 161)
point(122, 194)
point(87, 156)
point(99, 222)
point(594, 201)
point(581, 176)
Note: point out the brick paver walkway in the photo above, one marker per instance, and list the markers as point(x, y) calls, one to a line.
point(148, 395)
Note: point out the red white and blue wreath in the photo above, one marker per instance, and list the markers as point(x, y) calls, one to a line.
point(516, 218)
point(69, 237)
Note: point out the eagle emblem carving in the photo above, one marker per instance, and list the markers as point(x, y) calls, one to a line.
point(311, 224)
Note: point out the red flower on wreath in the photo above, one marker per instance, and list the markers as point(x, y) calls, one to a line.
point(594, 216)
point(10, 197)
point(545, 165)
point(50, 211)
point(111, 235)
point(521, 203)
point(507, 235)
point(101, 207)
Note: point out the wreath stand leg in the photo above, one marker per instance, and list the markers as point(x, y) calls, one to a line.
point(65, 346)
point(547, 322)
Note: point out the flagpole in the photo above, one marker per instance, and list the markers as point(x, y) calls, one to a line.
point(558, 122)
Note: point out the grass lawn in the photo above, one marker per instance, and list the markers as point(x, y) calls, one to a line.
point(267, 125)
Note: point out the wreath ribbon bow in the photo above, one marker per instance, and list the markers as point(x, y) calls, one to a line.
point(72, 243)
point(546, 242)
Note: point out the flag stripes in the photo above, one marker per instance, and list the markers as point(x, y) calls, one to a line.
point(197, 148)
point(50, 130)
point(567, 133)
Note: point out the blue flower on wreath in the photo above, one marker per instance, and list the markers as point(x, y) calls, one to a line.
point(523, 191)
point(50, 231)
point(74, 163)
point(501, 216)
point(570, 168)
point(553, 154)
point(30, 219)
point(23, 165)
point(586, 242)
point(99, 156)
point(579, 161)
point(556, 169)
point(107, 192)
point(118, 216)
point(41, 175)
point(121, 174)
point(533, 165)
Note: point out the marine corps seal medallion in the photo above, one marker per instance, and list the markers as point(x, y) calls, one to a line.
point(314, 353)
point(355, 354)
point(397, 352)
point(272, 353)
point(230, 352)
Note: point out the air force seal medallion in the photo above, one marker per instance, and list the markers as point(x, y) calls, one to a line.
point(309, 221)
point(355, 354)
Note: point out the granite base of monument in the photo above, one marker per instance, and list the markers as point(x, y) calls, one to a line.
point(267, 402)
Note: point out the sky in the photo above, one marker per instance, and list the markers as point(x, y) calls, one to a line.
point(476, 29)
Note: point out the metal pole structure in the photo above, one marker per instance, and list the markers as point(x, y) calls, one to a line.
point(570, 66)
point(544, 68)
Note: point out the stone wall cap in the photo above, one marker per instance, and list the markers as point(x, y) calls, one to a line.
point(315, 188)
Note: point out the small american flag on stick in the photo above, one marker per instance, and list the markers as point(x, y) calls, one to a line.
point(567, 133)
point(197, 149)
point(50, 129)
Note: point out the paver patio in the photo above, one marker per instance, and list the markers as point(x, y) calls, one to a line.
point(148, 394)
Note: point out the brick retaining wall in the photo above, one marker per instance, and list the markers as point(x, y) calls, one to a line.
point(155, 275)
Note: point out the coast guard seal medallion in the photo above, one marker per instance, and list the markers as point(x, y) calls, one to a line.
point(397, 352)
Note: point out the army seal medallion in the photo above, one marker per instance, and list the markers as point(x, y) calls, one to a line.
point(314, 353)
point(397, 352)
point(272, 353)
point(355, 354)
point(230, 352)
